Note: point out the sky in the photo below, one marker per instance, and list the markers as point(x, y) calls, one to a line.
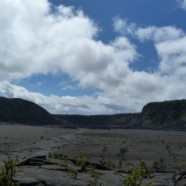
point(93, 56)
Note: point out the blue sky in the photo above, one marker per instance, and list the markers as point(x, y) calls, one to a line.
point(92, 56)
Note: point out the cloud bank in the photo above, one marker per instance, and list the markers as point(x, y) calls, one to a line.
point(40, 38)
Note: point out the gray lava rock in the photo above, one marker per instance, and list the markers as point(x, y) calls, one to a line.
point(34, 176)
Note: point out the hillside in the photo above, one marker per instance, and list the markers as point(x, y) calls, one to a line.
point(22, 111)
point(167, 115)
point(100, 121)
point(164, 115)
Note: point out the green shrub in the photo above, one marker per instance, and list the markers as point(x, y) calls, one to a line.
point(94, 177)
point(137, 175)
point(159, 165)
point(106, 162)
point(61, 156)
point(73, 172)
point(122, 153)
point(7, 172)
point(82, 160)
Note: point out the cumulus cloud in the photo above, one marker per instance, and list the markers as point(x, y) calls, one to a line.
point(182, 4)
point(154, 33)
point(40, 38)
point(168, 41)
point(124, 26)
point(169, 80)
point(159, 33)
point(173, 59)
point(38, 41)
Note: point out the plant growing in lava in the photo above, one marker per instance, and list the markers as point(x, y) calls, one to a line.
point(8, 171)
point(82, 160)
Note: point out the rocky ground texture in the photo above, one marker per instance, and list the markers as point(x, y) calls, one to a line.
point(82, 157)
point(40, 171)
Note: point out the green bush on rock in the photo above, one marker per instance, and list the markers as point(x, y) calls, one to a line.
point(7, 172)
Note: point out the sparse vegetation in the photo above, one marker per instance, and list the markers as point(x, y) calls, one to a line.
point(142, 145)
point(7, 172)
point(105, 149)
point(106, 162)
point(136, 176)
point(159, 165)
point(95, 174)
point(82, 160)
point(73, 172)
point(122, 153)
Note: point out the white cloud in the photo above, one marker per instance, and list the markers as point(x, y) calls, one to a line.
point(169, 43)
point(154, 33)
point(168, 81)
point(182, 4)
point(173, 57)
point(56, 104)
point(123, 26)
point(159, 33)
point(38, 38)
point(36, 41)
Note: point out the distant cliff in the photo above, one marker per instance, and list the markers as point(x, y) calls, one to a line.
point(22, 111)
point(100, 121)
point(167, 115)
point(164, 115)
